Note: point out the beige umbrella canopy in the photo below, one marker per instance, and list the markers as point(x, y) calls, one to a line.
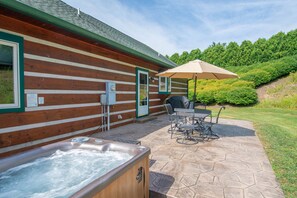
point(198, 69)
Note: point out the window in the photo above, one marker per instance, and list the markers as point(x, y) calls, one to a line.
point(164, 85)
point(169, 84)
point(11, 73)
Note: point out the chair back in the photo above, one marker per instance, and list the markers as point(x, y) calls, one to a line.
point(169, 109)
point(219, 113)
point(179, 102)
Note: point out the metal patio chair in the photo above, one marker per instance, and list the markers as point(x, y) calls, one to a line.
point(180, 102)
point(187, 127)
point(174, 119)
point(209, 125)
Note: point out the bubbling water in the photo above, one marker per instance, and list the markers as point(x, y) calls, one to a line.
point(60, 174)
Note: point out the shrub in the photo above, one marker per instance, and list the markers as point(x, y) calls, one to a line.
point(282, 69)
point(243, 83)
point(229, 81)
point(285, 65)
point(257, 76)
point(221, 97)
point(272, 72)
point(206, 97)
point(242, 96)
point(291, 61)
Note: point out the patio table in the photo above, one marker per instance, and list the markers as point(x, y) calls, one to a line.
point(203, 112)
point(200, 115)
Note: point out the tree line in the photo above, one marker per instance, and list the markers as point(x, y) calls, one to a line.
point(247, 53)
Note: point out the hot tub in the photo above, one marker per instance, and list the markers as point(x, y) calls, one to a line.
point(78, 167)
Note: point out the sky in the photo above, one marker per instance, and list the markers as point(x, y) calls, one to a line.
point(170, 26)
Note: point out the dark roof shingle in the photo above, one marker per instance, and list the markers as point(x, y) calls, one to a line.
point(113, 37)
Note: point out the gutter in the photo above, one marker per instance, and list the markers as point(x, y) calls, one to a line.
point(42, 16)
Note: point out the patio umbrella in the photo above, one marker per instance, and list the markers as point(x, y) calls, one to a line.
point(198, 69)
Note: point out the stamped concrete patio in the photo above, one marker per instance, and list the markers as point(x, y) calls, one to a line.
point(233, 166)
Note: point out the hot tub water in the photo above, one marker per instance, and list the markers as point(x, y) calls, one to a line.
point(60, 174)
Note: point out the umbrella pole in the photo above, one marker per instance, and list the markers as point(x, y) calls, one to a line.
point(195, 81)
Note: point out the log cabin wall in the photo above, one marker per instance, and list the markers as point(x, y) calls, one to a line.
point(70, 74)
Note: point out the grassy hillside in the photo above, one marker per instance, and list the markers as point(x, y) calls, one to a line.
point(282, 94)
point(242, 91)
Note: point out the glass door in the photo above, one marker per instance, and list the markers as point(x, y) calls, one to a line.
point(142, 93)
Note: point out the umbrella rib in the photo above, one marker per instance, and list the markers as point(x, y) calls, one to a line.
point(171, 75)
point(215, 75)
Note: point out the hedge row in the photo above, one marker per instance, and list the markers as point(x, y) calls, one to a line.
point(242, 91)
point(265, 73)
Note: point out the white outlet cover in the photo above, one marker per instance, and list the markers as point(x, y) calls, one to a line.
point(40, 100)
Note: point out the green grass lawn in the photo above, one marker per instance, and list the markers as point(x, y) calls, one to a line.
point(6, 87)
point(277, 130)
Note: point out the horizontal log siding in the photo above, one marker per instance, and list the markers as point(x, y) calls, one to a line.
point(72, 106)
point(28, 29)
point(67, 56)
point(33, 82)
point(13, 138)
point(52, 68)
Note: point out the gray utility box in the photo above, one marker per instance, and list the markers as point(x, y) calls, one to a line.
point(110, 93)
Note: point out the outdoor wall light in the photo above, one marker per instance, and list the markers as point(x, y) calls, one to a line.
point(152, 79)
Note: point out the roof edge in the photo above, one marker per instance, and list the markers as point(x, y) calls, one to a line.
point(27, 10)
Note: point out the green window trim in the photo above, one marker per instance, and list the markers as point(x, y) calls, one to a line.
point(167, 82)
point(18, 71)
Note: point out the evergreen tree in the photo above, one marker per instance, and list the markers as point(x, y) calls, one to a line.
point(278, 46)
point(194, 54)
point(175, 57)
point(261, 52)
point(291, 42)
point(245, 53)
point(183, 58)
point(231, 55)
point(214, 54)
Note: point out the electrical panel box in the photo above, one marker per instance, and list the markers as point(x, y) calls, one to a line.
point(110, 93)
